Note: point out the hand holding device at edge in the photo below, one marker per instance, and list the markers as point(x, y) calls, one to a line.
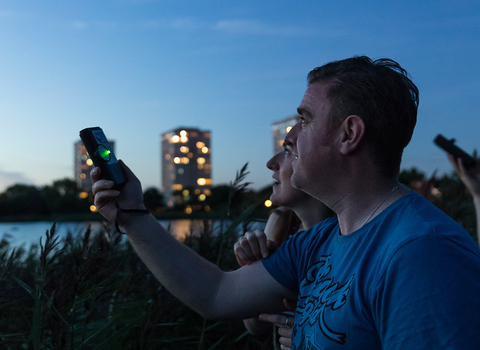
point(253, 246)
point(470, 177)
point(128, 196)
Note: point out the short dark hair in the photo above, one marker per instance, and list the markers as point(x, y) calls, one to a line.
point(381, 93)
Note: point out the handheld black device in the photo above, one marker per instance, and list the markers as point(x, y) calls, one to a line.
point(450, 147)
point(102, 155)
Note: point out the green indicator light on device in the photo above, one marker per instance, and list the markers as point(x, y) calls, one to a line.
point(104, 153)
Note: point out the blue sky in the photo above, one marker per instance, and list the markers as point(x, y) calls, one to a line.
point(140, 68)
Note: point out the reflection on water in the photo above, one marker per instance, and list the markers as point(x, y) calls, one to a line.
point(180, 229)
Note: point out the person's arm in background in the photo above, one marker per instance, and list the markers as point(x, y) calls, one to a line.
point(253, 247)
point(471, 179)
point(198, 283)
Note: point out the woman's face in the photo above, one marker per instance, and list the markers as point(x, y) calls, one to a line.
point(283, 192)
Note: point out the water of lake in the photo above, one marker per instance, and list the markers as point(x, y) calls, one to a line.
point(26, 233)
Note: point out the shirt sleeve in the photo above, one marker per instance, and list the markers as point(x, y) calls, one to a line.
point(283, 264)
point(429, 297)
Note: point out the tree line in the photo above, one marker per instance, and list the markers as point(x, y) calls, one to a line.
point(62, 197)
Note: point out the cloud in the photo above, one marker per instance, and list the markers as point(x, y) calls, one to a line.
point(11, 178)
point(243, 26)
point(79, 25)
point(10, 14)
point(236, 26)
point(181, 23)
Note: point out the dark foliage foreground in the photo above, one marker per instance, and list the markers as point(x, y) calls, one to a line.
point(93, 292)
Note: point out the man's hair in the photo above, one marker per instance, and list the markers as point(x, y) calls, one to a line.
point(381, 93)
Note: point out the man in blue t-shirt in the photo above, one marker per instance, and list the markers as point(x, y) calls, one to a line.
point(390, 272)
point(402, 281)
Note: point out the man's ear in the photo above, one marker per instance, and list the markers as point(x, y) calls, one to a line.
point(353, 132)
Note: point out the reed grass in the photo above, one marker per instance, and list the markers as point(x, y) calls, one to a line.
point(93, 292)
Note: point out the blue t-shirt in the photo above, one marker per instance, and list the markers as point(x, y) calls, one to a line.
point(409, 279)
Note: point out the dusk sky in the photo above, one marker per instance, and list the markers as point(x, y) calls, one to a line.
point(141, 68)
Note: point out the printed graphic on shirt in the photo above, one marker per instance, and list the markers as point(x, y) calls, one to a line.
point(308, 343)
point(319, 293)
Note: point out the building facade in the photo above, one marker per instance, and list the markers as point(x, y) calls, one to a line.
point(82, 167)
point(186, 167)
point(280, 129)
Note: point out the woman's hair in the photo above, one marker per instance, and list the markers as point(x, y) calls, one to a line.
point(287, 224)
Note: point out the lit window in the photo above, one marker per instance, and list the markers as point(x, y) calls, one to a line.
point(197, 191)
point(201, 160)
point(207, 192)
point(185, 160)
point(83, 176)
point(288, 129)
point(83, 195)
point(183, 133)
point(268, 203)
point(207, 208)
point(89, 162)
point(200, 144)
point(184, 139)
point(175, 139)
point(202, 197)
point(205, 149)
point(208, 181)
point(188, 210)
point(168, 156)
point(186, 192)
point(190, 155)
point(200, 166)
point(177, 187)
point(177, 160)
point(201, 181)
point(184, 149)
point(93, 208)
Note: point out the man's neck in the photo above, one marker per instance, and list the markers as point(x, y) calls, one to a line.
point(361, 204)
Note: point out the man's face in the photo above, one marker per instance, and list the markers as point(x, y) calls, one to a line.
point(311, 143)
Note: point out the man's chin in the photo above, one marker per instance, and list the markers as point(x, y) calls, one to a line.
point(296, 183)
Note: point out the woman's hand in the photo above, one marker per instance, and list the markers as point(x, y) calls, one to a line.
point(253, 246)
point(470, 177)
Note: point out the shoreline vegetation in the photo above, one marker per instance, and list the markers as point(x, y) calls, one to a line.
point(260, 214)
point(91, 291)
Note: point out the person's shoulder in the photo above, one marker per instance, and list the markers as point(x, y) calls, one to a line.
point(414, 214)
point(414, 220)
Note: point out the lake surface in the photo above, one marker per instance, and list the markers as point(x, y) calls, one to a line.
point(28, 233)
